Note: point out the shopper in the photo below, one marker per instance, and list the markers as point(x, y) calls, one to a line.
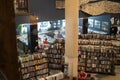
point(45, 41)
point(59, 35)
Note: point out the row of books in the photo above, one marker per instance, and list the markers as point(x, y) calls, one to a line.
point(101, 56)
point(33, 68)
point(107, 66)
point(81, 60)
point(55, 56)
point(34, 62)
point(56, 51)
point(40, 67)
point(117, 51)
point(96, 53)
point(54, 61)
point(55, 66)
point(98, 36)
point(93, 65)
point(34, 75)
point(95, 42)
point(99, 49)
point(33, 65)
point(99, 70)
point(83, 64)
point(31, 57)
point(42, 72)
point(28, 75)
point(28, 70)
point(96, 69)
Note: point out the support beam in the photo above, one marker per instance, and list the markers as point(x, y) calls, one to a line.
point(71, 39)
point(8, 49)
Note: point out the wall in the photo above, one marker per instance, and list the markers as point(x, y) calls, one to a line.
point(22, 19)
point(102, 19)
point(45, 10)
point(91, 23)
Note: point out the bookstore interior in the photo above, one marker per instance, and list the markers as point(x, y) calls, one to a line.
point(41, 48)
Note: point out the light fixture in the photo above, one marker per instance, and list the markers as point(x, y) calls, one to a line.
point(37, 17)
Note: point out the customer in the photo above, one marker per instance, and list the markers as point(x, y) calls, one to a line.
point(59, 35)
point(45, 41)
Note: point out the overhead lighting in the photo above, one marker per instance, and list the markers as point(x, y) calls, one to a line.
point(37, 18)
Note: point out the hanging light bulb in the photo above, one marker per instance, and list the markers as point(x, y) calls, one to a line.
point(37, 18)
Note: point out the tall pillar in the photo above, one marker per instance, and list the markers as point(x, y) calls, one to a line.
point(32, 34)
point(8, 49)
point(71, 39)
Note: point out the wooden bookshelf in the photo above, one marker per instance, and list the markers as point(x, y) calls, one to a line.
point(96, 53)
point(55, 56)
point(33, 66)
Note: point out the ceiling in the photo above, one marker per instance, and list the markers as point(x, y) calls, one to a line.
point(97, 7)
point(46, 9)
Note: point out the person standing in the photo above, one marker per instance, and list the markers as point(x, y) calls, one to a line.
point(45, 41)
point(59, 35)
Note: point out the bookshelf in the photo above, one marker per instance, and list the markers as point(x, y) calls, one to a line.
point(33, 66)
point(96, 53)
point(117, 50)
point(116, 44)
point(55, 56)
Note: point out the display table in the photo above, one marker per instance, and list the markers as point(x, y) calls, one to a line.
point(57, 76)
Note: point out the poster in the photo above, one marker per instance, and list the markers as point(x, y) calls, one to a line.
point(60, 4)
point(105, 26)
point(97, 24)
point(21, 6)
point(90, 22)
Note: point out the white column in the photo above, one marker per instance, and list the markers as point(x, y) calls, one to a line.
point(71, 39)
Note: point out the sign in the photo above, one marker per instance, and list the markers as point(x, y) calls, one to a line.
point(60, 4)
point(21, 6)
